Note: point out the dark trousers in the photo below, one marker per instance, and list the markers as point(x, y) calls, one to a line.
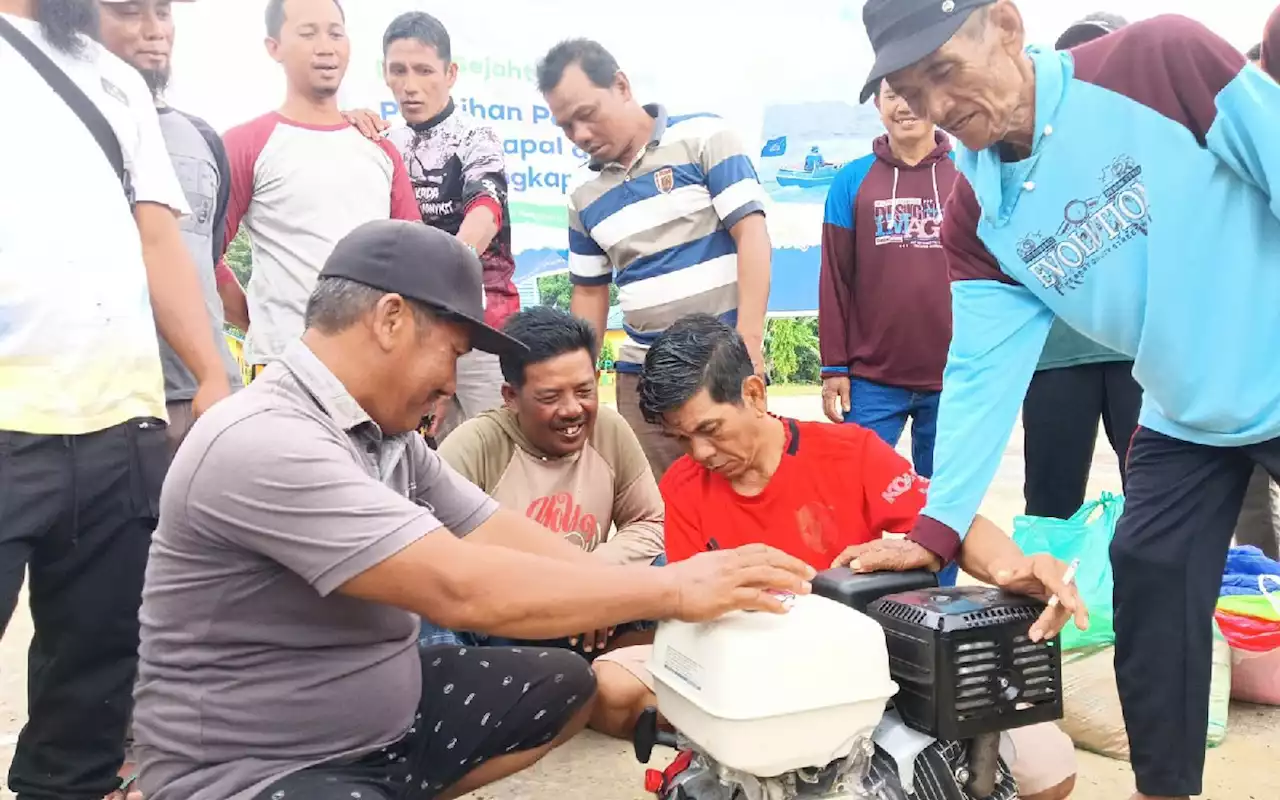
point(78, 512)
point(1060, 426)
point(524, 698)
point(1168, 554)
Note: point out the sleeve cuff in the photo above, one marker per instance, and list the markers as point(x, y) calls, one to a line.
point(592, 280)
point(935, 537)
point(485, 201)
point(742, 212)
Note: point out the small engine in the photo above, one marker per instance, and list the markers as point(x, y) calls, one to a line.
point(964, 664)
point(794, 706)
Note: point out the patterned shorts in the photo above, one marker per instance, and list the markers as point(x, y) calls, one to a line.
point(477, 703)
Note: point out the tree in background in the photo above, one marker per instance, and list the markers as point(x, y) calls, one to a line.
point(556, 290)
point(607, 356)
point(791, 349)
point(240, 258)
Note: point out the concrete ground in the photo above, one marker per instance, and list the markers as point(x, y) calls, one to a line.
point(592, 767)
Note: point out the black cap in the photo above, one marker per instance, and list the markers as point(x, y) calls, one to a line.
point(1088, 28)
point(904, 31)
point(424, 264)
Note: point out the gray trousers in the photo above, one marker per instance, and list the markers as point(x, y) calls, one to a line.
point(1259, 524)
point(479, 388)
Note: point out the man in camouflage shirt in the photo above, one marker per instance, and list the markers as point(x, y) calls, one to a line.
point(459, 177)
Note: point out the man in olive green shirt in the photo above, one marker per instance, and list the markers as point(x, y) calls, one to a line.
point(556, 455)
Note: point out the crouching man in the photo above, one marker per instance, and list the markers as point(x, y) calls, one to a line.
point(816, 491)
point(555, 455)
point(304, 530)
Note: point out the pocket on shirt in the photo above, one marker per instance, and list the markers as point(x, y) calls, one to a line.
point(199, 182)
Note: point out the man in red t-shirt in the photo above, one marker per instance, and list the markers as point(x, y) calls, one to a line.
point(817, 491)
point(809, 488)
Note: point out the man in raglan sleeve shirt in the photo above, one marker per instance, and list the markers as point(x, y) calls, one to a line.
point(1125, 186)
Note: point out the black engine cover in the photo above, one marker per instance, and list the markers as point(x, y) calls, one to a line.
point(964, 663)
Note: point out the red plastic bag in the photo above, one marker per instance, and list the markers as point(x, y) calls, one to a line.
point(1250, 634)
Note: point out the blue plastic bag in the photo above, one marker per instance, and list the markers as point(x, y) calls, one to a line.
point(1087, 536)
point(1244, 565)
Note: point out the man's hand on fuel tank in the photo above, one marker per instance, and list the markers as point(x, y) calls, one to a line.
point(1041, 576)
point(887, 555)
point(749, 578)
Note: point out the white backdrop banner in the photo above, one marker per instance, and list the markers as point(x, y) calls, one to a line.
point(786, 76)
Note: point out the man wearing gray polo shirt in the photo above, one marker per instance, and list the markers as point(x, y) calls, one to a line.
point(141, 32)
point(306, 528)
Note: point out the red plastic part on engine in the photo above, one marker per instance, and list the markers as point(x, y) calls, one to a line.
point(657, 782)
point(653, 781)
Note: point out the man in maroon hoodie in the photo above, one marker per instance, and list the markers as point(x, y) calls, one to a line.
point(884, 305)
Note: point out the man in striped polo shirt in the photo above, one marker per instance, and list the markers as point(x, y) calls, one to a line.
point(674, 216)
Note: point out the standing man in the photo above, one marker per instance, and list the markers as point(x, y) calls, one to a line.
point(460, 183)
point(81, 392)
point(140, 32)
point(1077, 383)
point(674, 216)
point(1103, 225)
point(884, 299)
point(303, 177)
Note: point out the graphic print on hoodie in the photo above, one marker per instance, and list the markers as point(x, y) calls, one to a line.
point(884, 298)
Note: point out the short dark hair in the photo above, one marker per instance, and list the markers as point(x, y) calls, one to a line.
point(1255, 52)
point(599, 65)
point(275, 16)
point(697, 352)
point(338, 303)
point(547, 332)
point(421, 26)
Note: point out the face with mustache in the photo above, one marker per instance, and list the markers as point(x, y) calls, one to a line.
point(66, 23)
point(140, 33)
point(556, 406)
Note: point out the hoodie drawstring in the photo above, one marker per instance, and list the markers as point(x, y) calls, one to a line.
point(937, 196)
point(937, 200)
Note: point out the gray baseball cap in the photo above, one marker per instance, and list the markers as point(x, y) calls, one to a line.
point(424, 264)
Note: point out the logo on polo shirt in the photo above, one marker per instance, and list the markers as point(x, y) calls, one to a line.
point(665, 180)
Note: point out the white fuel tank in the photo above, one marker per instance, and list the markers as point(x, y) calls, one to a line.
point(770, 693)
